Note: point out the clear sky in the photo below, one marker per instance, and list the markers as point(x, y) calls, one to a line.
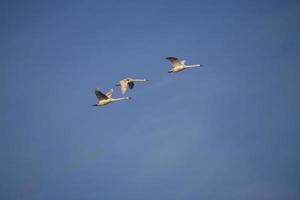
point(229, 130)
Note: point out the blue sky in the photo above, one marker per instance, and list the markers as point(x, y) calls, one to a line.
point(229, 130)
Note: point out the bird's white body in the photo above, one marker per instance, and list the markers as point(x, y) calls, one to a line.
point(105, 99)
point(179, 65)
point(128, 83)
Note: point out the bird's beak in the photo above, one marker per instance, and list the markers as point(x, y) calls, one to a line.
point(170, 71)
point(147, 80)
point(118, 84)
point(95, 105)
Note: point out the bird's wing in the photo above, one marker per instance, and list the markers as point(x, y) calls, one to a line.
point(123, 84)
point(131, 85)
point(175, 61)
point(100, 95)
point(109, 93)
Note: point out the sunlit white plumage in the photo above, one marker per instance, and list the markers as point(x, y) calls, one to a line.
point(105, 99)
point(179, 65)
point(128, 83)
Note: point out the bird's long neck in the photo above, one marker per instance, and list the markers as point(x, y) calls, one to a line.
point(120, 99)
point(196, 65)
point(139, 80)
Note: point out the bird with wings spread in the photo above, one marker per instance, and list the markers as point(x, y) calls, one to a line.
point(128, 83)
point(179, 65)
point(104, 99)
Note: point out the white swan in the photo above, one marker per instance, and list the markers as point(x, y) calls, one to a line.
point(105, 99)
point(179, 65)
point(128, 83)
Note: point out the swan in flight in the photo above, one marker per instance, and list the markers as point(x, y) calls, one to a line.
point(106, 98)
point(179, 65)
point(128, 83)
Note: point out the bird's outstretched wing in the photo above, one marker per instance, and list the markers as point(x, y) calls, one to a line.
point(109, 93)
point(131, 85)
point(123, 85)
point(175, 61)
point(100, 95)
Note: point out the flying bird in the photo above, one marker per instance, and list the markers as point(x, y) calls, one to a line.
point(128, 83)
point(179, 65)
point(105, 99)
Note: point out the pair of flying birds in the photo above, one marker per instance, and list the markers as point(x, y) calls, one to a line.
point(104, 99)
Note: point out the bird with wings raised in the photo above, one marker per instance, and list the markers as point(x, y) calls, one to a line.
point(179, 65)
point(128, 83)
point(104, 99)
